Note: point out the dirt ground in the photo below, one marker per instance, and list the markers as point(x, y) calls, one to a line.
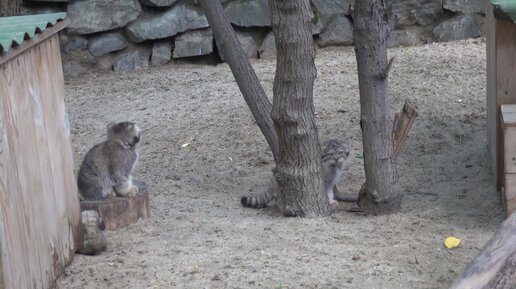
point(199, 236)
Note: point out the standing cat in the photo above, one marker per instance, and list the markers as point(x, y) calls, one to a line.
point(334, 160)
point(106, 169)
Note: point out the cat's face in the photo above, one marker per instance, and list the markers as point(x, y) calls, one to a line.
point(128, 132)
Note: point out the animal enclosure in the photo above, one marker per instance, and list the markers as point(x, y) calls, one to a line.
point(40, 220)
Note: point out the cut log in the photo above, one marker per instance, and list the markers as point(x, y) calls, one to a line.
point(495, 266)
point(403, 121)
point(120, 212)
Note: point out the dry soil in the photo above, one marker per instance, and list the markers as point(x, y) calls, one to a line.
point(199, 236)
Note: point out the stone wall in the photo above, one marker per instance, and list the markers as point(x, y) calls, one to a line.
point(125, 35)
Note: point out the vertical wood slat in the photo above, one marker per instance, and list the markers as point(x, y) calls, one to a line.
point(491, 89)
point(38, 196)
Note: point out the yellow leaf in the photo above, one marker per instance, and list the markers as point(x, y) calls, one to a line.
point(451, 242)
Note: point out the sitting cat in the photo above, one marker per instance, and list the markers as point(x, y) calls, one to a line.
point(94, 238)
point(334, 160)
point(106, 169)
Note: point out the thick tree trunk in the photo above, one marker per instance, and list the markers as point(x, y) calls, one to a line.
point(242, 70)
point(495, 266)
point(381, 193)
point(298, 168)
point(10, 7)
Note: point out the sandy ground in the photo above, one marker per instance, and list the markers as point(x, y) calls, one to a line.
point(199, 236)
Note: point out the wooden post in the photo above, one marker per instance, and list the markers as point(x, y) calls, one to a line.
point(508, 125)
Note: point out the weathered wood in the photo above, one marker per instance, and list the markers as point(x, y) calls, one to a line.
point(39, 205)
point(492, 115)
point(121, 212)
point(10, 7)
point(495, 258)
point(508, 151)
point(509, 193)
point(403, 121)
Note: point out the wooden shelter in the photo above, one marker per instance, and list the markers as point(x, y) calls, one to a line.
point(501, 93)
point(40, 215)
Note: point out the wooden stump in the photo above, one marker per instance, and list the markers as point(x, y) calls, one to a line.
point(120, 212)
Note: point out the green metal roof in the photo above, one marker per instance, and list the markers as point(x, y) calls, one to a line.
point(14, 30)
point(505, 9)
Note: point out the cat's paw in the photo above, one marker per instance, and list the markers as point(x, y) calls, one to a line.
point(128, 191)
point(111, 194)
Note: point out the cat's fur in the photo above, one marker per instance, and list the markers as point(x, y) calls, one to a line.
point(94, 238)
point(106, 169)
point(335, 156)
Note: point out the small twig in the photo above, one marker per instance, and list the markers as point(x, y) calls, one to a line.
point(385, 73)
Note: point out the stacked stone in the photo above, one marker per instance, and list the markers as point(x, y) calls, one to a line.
point(132, 34)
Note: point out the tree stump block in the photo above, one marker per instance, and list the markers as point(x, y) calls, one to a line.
point(120, 212)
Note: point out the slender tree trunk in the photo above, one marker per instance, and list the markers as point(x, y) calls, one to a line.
point(242, 70)
point(10, 7)
point(381, 193)
point(298, 168)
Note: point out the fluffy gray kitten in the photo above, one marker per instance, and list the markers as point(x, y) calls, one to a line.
point(106, 169)
point(334, 160)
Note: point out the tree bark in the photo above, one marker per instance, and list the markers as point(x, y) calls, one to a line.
point(10, 7)
point(495, 266)
point(298, 168)
point(242, 70)
point(381, 193)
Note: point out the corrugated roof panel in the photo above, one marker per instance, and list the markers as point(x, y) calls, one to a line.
point(14, 30)
point(505, 9)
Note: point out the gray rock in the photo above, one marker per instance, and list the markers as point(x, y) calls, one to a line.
point(74, 43)
point(248, 13)
point(156, 25)
point(464, 6)
point(161, 52)
point(409, 36)
point(268, 47)
point(101, 15)
point(411, 12)
point(134, 59)
point(326, 10)
point(106, 43)
point(159, 3)
point(459, 27)
point(338, 33)
point(194, 43)
point(73, 68)
point(250, 42)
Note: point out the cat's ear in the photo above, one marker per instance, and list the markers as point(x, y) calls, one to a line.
point(110, 128)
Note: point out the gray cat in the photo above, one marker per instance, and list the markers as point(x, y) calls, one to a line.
point(106, 169)
point(334, 160)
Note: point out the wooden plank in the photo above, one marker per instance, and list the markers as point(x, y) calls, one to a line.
point(505, 84)
point(36, 39)
point(20, 260)
point(403, 121)
point(492, 118)
point(508, 114)
point(60, 151)
point(491, 260)
point(121, 212)
point(510, 150)
point(509, 194)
